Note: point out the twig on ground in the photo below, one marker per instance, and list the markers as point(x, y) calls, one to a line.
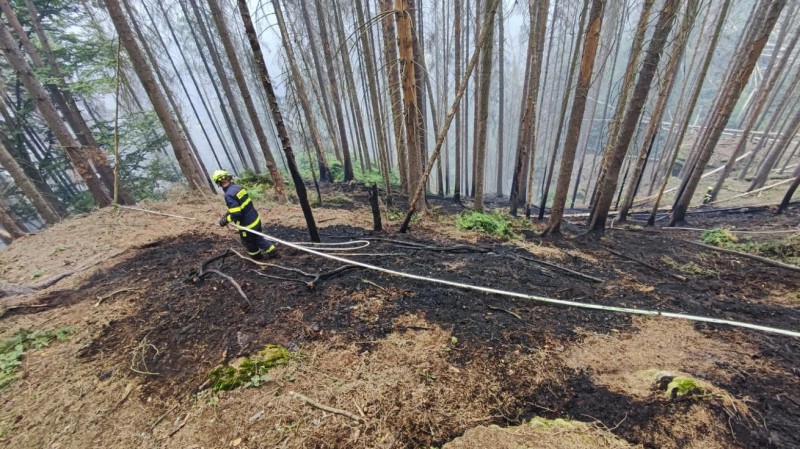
point(367, 281)
point(559, 267)
point(504, 310)
point(100, 299)
point(774, 263)
point(643, 263)
point(337, 411)
point(161, 418)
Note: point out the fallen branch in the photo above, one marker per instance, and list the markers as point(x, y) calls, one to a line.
point(100, 299)
point(337, 411)
point(552, 265)
point(504, 310)
point(645, 264)
point(312, 284)
point(204, 272)
point(765, 260)
point(367, 281)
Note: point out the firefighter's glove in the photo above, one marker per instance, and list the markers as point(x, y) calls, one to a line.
point(223, 220)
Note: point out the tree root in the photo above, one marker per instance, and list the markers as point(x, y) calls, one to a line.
point(504, 310)
point(312, 284)
point(326, 408)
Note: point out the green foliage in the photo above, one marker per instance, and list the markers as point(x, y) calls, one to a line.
point(682, 386)
point(250, 372)
point(718, 237)
point(83, 202)
point(13, 348)
point(496, 223)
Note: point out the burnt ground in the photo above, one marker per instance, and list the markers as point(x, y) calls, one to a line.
point(184, 325)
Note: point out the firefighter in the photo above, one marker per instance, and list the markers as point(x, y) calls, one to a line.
point(709, 194)
point(242, 212)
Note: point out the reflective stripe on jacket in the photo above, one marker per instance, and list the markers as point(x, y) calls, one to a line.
point(240, 207)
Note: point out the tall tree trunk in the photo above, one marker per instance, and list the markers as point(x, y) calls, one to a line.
point(324, 170)
point(183, 153)
point(404, 18)
point(334, 90)
point(526, 140)
point(612, 161)
point(377, 117)
point(780, 145)
point(483, 108)
point(351, 86)
point(15, 230)
point(238, 75)
point(227, 88)
point(476, 85)
point(591, 42)
point(76, 154)
point(277, 118)
point(41, 205)
point(457, 13)
point(755, 110)
point(564, 103)
point(766, 16)
point(671, 70)
point(501, 101)
point(440, 136)
point(319, 71)
point(215, 85)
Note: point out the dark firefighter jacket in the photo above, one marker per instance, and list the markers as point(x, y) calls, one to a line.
point(240, 207)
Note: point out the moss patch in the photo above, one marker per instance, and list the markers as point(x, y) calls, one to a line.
point(497, 223)
point(250, 371)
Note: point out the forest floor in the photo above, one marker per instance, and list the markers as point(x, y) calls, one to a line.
point(416, 364)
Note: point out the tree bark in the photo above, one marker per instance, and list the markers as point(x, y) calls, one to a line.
point(395, 97)
point(590, 45)
point(779, 146)
point(501, 101)
point(457, 12)
point(790, 192)
point(277, 117)
point(766, 16)
point(182, 151)
point(483, 108)
point(404, 19)
point(612, 161)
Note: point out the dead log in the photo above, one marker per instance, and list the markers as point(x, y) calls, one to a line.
point(376, 210)
point(559, 267)
point(645, 264)
point(765, 260)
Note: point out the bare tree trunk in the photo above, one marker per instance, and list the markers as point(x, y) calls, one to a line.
point(238, 75)
point(324, 169)
point(417, 33)
point(457, 13)
point(613, 159)
point(564, 103)
point(671, 70)
point(483, 107)
point(591, 42)
point(766, 16)
point(277, 117)
point(526, 140)
point(501, 100)
point(45, 106)
point(779, 146)
point(755, 110)
point(404, 18)
point(182, 151)
point(462, 85)
point(334, 90)
point(41, 205)
point(476, 85)
point(226, 87)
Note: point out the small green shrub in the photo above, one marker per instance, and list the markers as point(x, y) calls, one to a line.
point(250, 372)
point(496, 223)
point(13, 348)
point(718, 237)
